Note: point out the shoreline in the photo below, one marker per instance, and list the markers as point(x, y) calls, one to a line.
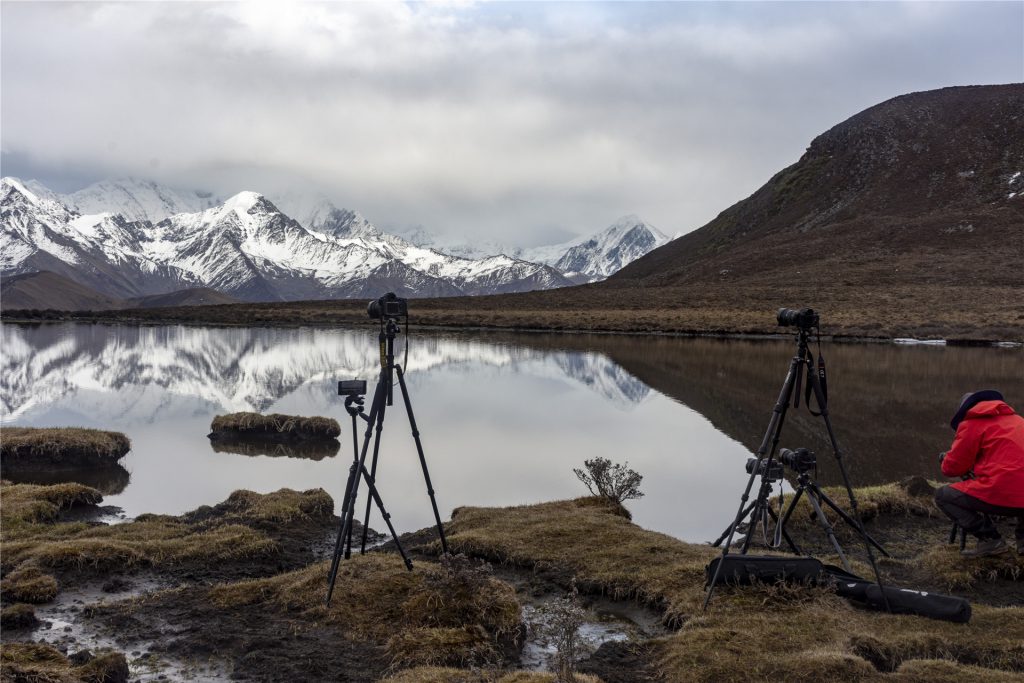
point(497, 329)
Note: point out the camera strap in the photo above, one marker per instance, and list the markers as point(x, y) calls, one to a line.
point(822, 379)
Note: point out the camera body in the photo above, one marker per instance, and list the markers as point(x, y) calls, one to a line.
point(804, 318)
point(801, 460)
point(351, 387)
point(388, 306)
point(772, 473)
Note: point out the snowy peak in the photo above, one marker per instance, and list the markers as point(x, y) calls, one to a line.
point(597, 257)
point(138, 200)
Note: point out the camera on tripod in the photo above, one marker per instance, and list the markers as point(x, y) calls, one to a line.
point(768, 472)
point(388, 306)
point(801, 460)
point(805, 318)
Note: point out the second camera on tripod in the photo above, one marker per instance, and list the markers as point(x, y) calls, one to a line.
point(800, 460)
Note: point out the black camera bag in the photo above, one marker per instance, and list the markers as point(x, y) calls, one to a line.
point(745, 569)
point(901, 600)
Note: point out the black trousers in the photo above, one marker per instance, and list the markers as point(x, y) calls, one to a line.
point(972, 514)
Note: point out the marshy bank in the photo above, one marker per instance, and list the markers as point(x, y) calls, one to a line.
point(51, 455)
point(238, 588)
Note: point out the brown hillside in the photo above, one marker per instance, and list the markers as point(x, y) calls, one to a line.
point(916, 190)
point(49, 290)
point(198, 296)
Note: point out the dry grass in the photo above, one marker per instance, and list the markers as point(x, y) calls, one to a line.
point(591, 540)
point(423, 617)
point(19, 615)
point(944, 561)
point(41, 663)
point(34, 544)
point(749, 634)
point(25, 447)
point(28, 583)
point(255, 424)
point(25, 506)
point(432, 674)
point(913, 310)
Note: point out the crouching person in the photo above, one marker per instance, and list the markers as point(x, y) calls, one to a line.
point(988, 451)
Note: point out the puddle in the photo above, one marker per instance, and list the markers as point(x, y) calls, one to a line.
point(63, 625)
point(596, 630)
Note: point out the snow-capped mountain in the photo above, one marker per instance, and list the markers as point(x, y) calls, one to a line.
point(585, 259)
point(134, 199)
point(622, 242)
point(244, 246)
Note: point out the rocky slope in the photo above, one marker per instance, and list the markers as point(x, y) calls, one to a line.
point(923, 189)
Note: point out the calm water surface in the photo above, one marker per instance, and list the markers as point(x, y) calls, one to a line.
point(504, 418)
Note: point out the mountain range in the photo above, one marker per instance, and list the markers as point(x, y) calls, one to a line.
point(128, 239)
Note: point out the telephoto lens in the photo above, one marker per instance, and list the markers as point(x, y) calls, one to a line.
point(804, 318)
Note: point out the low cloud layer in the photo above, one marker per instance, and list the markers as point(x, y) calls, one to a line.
point(524, 123)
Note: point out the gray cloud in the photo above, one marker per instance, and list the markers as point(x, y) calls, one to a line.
point(503, 121)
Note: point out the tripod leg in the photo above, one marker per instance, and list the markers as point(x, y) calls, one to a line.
point(423, 459)
point(372, 486)
point(341, 528)
point(785, 518)
point(355, 465)
point(729, 528)
point(373, 472)
point(348, 511)
point(774, 429)
point(822, 496)
point(756, 517)
point(823, 521)
point(819, 396)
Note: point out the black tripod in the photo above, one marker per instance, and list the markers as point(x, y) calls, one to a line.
point(802, 362)
point(382, 397)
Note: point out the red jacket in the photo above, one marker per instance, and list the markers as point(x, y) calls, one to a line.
point(990, 441)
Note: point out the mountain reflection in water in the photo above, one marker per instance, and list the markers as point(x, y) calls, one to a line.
point(505, 417)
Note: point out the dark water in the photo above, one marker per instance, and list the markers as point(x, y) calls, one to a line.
point(505, 418)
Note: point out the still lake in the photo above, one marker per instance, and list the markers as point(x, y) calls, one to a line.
point(504, 417)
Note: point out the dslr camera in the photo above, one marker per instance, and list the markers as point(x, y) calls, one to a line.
point(801, 460)
point(388, 306)
point(804, 318)
point(773, 473)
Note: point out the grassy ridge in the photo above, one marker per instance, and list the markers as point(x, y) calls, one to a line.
point(854, 309)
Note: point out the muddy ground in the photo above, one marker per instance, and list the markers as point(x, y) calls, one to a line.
point(171, 624)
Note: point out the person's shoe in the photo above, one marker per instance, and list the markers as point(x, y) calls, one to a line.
point(987, 547)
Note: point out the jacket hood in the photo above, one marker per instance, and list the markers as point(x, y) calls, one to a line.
point(969, 401)
point(989, 409)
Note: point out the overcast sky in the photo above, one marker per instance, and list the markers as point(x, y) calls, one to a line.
point(524, 123)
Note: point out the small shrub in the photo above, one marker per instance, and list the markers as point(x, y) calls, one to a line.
point(559, 626)
point(615, 482)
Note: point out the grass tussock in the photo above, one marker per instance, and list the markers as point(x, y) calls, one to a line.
point(590, 540)
point(945, 561)
point(23, 447)
point(749, 634)
point(433, 674)
point(36, 546)
point(28, 583)
point(276, 425)
point(25, 506)
point(428, 616)
point(18, 616)
point(41, 663)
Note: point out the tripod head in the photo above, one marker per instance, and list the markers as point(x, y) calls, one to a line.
point(354, 405)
